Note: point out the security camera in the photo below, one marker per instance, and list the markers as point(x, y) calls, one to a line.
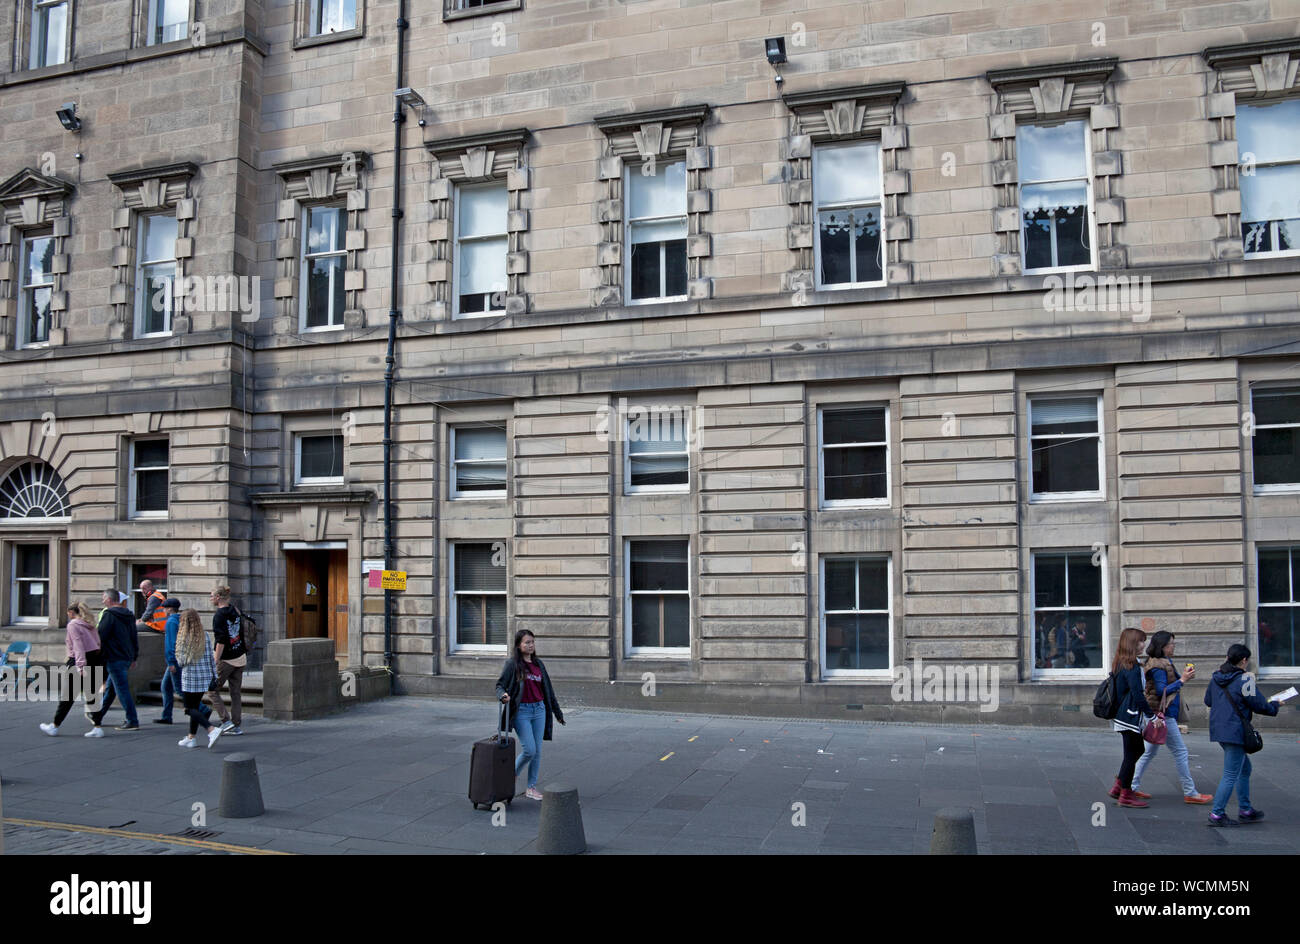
point(68, 116)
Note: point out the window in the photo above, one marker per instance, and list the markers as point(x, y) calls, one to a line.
point(1274, 444)
point(1055, 196)
point(659, 598)
point(656, 231)
point(1279, 606)
point(49, 33)
point(479, 465)
point(478, 595)
point(855, 616)
point(657, 452)
point(1065, 442)
point(137, 573)
point(318, 459)
point(323, 260)
point(846, 191)
point(147, 496)
point(33, 492)
point(169, 21)
point(37, 291)
point(451, 8)
point(1268, 145)
point(1069, 619)
point(31, 583)
point(156, 273)
point(854, 446)
point(332, 16)
point(481, 246)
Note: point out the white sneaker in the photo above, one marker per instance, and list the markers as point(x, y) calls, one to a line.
point(213, 735)
point(95, 732)
point(51, 729)
point(188, 742)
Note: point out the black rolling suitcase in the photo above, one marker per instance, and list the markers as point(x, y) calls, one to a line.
point(492, 766)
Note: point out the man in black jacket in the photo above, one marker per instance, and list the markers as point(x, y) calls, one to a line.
point(121, 649)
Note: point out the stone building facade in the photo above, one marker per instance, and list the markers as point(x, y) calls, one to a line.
point(967, 344)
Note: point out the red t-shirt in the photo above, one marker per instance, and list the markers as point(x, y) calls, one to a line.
point(532, 683)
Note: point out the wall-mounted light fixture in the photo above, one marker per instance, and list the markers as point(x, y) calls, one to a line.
point(68, 116)
point(412, 99)
point(775, 47)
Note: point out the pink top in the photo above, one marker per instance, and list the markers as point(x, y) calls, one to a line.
point(82, 638)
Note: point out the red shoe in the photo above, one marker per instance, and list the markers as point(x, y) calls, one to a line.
point(1115, 790)
point(1129, 798)
point(1198, 798)
point(1146, 796)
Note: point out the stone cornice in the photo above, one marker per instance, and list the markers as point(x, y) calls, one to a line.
point(498, 140)
point(632, 121)
point(820, 98)
point(127, 178)
point(303, 496)
point(1096, 69)
point(1220, 55)
point(327, 162)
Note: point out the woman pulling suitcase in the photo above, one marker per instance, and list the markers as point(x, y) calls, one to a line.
point(525, 688)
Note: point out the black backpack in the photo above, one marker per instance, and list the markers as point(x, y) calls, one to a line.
point(1104, 703)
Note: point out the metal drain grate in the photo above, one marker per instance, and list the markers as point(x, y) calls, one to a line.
point(193, 833)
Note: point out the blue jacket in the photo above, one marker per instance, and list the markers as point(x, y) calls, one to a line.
point(1160, 679)
point(169, 639)
point(1225, 725)
point(1130, 695)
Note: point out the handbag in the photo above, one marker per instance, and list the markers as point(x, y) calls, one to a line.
point(1251, 740)
point(1156, 730)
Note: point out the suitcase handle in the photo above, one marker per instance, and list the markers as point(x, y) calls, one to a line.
point(503, 728)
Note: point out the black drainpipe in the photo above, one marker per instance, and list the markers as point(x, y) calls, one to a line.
point(394, 314)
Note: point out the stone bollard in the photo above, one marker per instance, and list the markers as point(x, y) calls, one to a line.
point(954, 832)
point(560, 830)
point(241, 791)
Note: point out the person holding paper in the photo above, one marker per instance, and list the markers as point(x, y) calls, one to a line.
point(1230, 707)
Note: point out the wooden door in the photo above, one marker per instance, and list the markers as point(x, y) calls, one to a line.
point(337, 581)
point(305, 594)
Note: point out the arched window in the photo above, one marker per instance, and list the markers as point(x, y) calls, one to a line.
point(33, 490)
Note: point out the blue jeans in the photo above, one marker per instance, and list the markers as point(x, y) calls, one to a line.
point(117, 687)
point(530, 723)
point(1236, 773)
point(1177, 747)
point(171, 687)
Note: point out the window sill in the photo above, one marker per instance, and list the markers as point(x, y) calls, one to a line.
point(854, 505)
point(1064, 498)
point(650, 655)
point(1086, 675)
point(306, 42)
point(1276, 489)
point(846, 286)
point(1062, 270)
point(502, 6)
point(321, 329)
point(884, 676)
point(666, 300)
point(634, 490)
point(496, 496)
point(319, 483)
point(148, 516)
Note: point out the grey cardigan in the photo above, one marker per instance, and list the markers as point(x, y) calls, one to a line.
point(509, 683)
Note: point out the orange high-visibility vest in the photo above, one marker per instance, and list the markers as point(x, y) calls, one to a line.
point(159, 622)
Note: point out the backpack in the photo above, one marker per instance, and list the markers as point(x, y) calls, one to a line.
point(248, 629)
point(1104, 703)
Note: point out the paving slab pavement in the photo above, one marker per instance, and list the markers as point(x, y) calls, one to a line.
point(390, 777)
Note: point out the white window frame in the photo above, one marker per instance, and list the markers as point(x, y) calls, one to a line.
point(1091, 264)
point(628, 487)
point(658, 652)
point(816, 212)
point(305, 257)
point(453, 612)
point(36, 8)
point(15, 580)
point(454, 492)
point(141, 291)
point(1050, 497)
point(1292, 549)
point(154, 9)
point(1094, 672)
point(481, 238)
point(1272, 253)
point(298, 478)
point(131, 486)
point(27, 289)
point(629, 171)
point(827, 672)
point(316, 12)
point(1278, 488)
point(822, 502)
